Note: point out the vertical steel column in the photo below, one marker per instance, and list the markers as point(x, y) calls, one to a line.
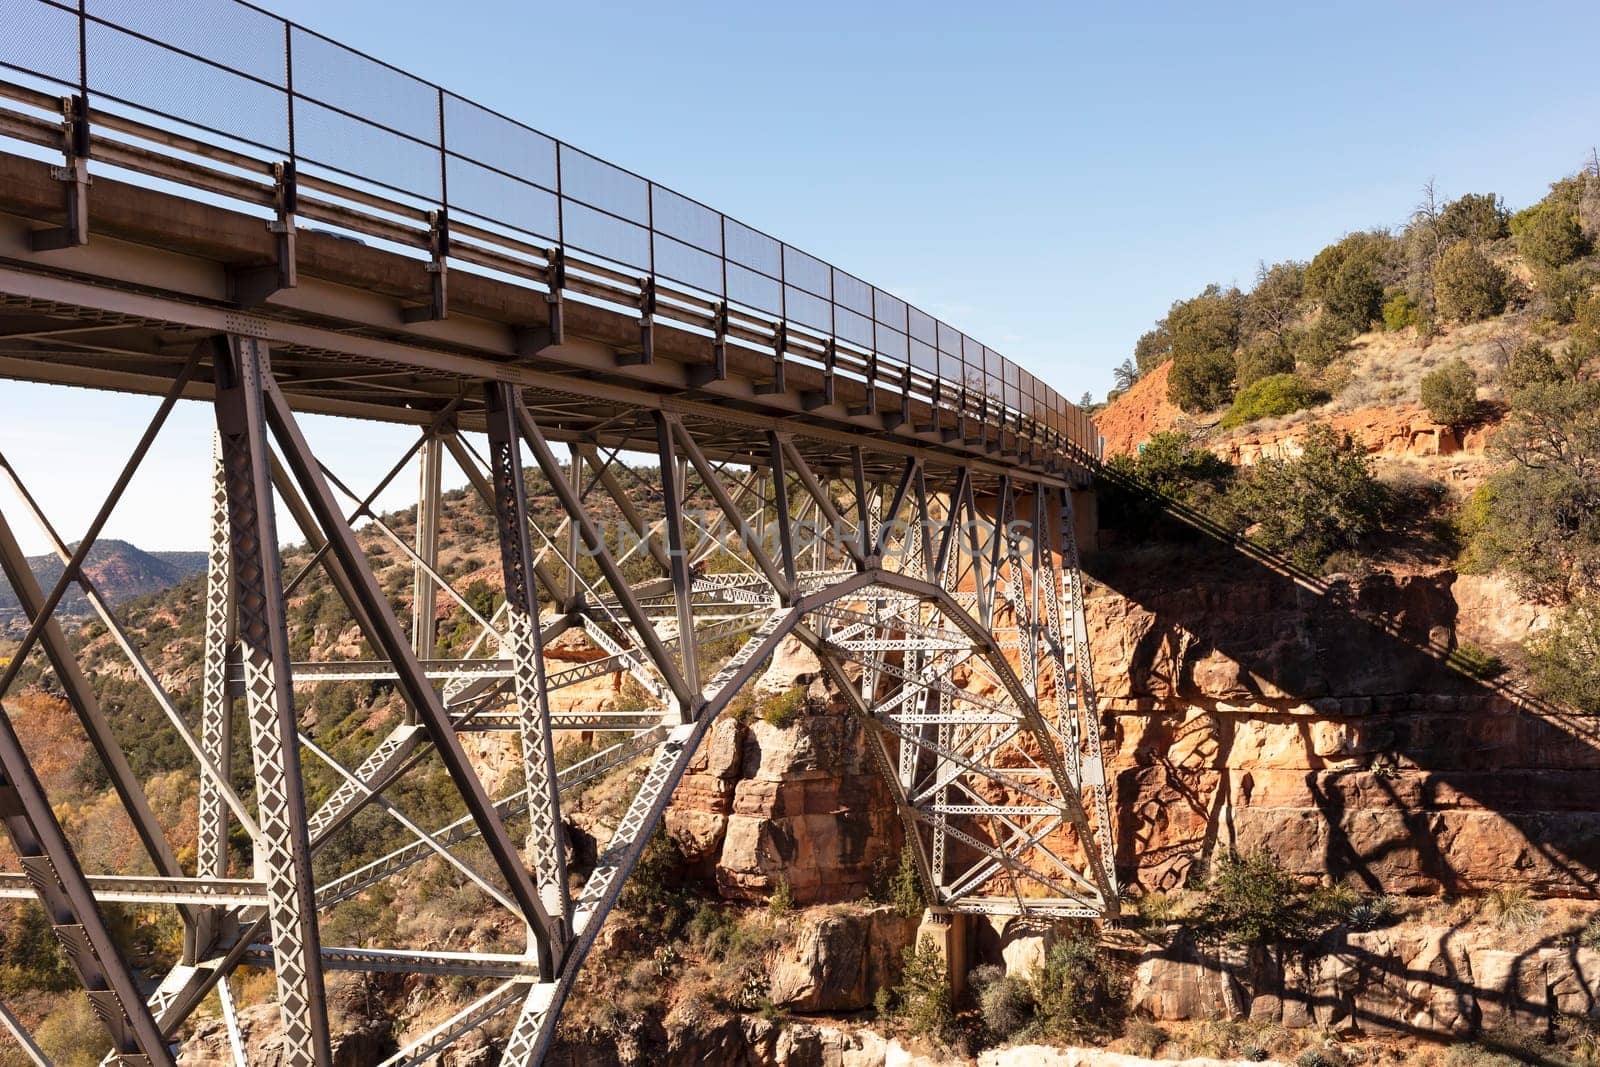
point(423, 587)
point(285, 856)
point(216, 707)
point(1093, 767)
point(672, 486)
point(545, 839)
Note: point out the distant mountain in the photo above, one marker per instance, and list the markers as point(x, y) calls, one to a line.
point(120, 572)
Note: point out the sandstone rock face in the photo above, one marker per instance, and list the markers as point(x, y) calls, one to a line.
point(1242, 709)
point(1440, 981)
point(840, 960)
point(1049, 1056)
point(804, 803)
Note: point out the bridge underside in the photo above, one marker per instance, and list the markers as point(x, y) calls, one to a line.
point(689, 484)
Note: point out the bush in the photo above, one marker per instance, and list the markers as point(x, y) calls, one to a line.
point(1467, 286)
point(1451, 393)
point(1539, 517)
point(1371, 913)
point(1551, 237)
point(1077, 991)
point(1347, 278)
point(1309, 507)
point(1530, 364)
point(1510, 908)
point(784, 709)
point(1278, 394)
point(1565, 659)
point(1263, 357)
point(1561, 291)
point(1202, 380)
point(905, 889)
point(781, 902)
point(1005, 1002)
point(1251, 899)
point(1171, 463)
point(1583, 346)
point(923, 994)
point(1146, 1037)
point(1401, 311)
point(1205, 323)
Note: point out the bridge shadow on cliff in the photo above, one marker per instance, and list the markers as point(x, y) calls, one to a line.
point(1410, 774)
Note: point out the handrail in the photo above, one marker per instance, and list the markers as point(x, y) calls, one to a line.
point(238, 86)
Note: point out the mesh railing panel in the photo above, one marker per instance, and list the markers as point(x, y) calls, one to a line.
point(244, 74)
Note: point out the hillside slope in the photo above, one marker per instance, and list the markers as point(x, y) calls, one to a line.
point(119, 570)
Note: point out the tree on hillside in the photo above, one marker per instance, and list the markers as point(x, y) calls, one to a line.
point(1276, 302)
point(1476, 217)
point(1205, 323)
point(1153, 348)
point(1201, 381)
point(1550, 237)
point(1204, 331)
point(1323, 501)
point(1347, 277)
point(1124, 375)
point(1467, 285)
point(1451, 393)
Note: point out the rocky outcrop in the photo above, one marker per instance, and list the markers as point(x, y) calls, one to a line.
point(1391, 432)
point(840, 959)
point(1421, 980)
point(802, 802)
point(1244, 709)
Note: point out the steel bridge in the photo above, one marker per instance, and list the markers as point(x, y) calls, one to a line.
point(207, 204)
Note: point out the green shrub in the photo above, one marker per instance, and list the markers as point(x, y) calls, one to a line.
point(1467, 285)
point(1475, 217)
point(1309, 507)
point(1550, 237)
point(1583, 345)
point(1251, 899)
point(1371, 913)
point(1530, 364)
point(1077, 991)
point(1264, 356)
point(1565, 659)
point(1348, 277)
point(905, 888)
point(1511, 908)
point(1562, 289)
point(1401, 311)
point(1451, 393)
point(784, 709)
point(1171, 463)
point(781, 901)
point(923, 994)
point(1476, 662)
point(1201, 380)
point(1540, 515)
point(1277, 394)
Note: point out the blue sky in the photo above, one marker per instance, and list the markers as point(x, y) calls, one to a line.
point(1048, 177)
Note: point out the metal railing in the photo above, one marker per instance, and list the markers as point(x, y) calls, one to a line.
point(230, 82)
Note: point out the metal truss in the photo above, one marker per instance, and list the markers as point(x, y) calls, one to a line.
point(677, 481)
point(945, 607)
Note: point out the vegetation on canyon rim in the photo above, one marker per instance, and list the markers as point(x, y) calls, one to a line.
point(1283, 346)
